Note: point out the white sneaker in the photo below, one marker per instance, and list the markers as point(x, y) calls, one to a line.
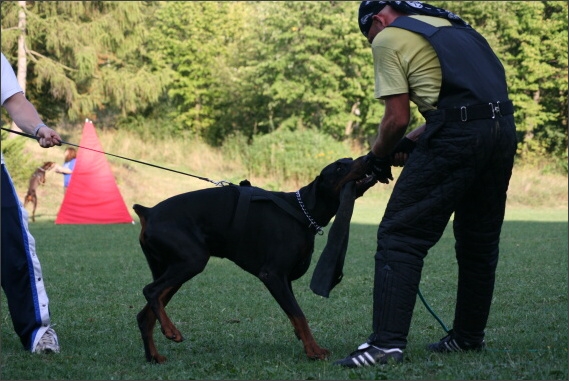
point(48, 343)
point(368, 355)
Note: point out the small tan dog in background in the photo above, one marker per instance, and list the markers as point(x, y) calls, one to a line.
point(37, 179)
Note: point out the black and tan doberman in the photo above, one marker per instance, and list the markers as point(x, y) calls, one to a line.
point(268, 234)
point(37, 179)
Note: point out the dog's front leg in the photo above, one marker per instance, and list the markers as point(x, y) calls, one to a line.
point(281, 289)
point(303, 332)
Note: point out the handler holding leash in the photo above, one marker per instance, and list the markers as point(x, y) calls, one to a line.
point(22, 278)
point(459, 162)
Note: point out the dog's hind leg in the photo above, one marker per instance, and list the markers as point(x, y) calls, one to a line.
point(146, 322)
point(146, 319)
point(35, 204)
point(168, 328)
point(173, 259)
point(281, 289)
point(160, 292)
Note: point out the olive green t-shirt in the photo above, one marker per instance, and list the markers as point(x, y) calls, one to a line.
point(405, 62)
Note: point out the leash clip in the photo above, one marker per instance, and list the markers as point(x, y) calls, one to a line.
point(221, 183)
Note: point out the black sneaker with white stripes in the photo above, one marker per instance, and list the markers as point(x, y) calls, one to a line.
point(368, 355)
point(451, 343)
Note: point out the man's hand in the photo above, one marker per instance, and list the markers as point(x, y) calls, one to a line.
point(48, 137)
point(380, 167)
point(402, 151)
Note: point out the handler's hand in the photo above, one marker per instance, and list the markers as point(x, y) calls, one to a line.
point(48, 137)
point(402, 151)
point(380, 167)
point(398, 159)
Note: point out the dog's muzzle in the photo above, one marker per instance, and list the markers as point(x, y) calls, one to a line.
point(362, 185)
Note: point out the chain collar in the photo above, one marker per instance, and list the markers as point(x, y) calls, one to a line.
point(318, 228)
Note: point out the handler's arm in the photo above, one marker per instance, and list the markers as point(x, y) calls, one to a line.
point(414, 135)
point(60, 169)
point(393, 124)
point(25, 115)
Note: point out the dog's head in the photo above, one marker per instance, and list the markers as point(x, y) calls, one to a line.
point(328, 185)
point(48, 165)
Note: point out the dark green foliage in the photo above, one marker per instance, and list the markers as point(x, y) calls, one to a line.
point(85, 58)
point(213, 69)
point(292, 155)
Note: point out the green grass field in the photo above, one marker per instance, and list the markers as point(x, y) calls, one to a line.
point(94, 276)
point(235, 330)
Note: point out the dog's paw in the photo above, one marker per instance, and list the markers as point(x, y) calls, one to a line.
point(158, 359)
point(176, 337)
point(318, 354)
point(173, 334)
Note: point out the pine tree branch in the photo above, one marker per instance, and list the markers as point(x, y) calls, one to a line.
point(34, 53)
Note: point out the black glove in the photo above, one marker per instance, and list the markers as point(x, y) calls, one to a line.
point(405, 145)
point(380, 167)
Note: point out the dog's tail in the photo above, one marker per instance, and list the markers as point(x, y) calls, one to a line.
point(140, 210)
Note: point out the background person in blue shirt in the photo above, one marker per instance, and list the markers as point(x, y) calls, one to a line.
point(68, 165)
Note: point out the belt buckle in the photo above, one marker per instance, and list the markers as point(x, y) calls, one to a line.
point(463, 114)
point(495, 109)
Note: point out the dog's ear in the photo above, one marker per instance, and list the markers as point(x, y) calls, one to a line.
point(328, 181)
point(333, 174)
point(328, 271)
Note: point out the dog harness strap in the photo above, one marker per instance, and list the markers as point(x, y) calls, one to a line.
point(281, 203)
point(241, 211)
point(302, 217)
point(252, 194)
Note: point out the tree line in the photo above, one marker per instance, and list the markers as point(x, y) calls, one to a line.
point(210, 70)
